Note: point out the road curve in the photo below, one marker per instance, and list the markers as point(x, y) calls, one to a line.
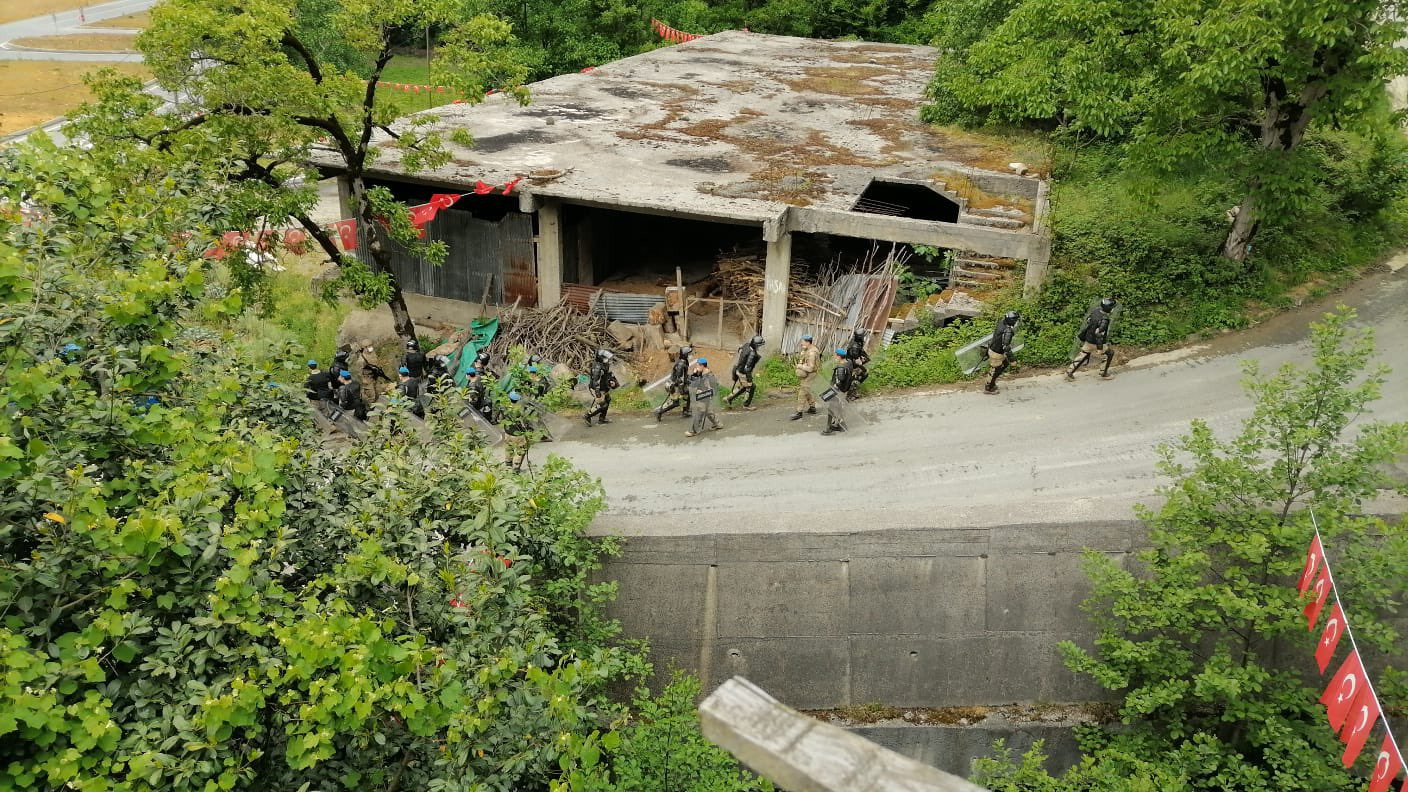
point(68, 22)
point(1043, 451)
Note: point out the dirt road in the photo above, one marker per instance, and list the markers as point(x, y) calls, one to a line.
point(1044, 450)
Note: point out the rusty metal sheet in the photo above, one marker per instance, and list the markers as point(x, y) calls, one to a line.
point(519, 260)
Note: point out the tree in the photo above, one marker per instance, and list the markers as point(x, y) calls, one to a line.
point(272, 82)
point(196, 594)
point(1205, 640)
point(1230, 86)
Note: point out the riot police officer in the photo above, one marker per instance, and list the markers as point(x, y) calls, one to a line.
point(858, 358)
point(411, 390)
point(600, 382)
point(1094, 336)
point(414, 360)
point(743, 366)
point(677, 390)
point(319, 385)
point(1000, 349)
point(842, 380)
point(477, 393)
point(702, 386)
point(349, 396)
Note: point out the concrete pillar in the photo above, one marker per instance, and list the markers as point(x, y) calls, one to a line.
point(549, 243)
point(344, 196)
point(776, 277)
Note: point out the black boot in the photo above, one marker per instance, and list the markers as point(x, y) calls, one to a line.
point(796, 416)
point(811, 410)
point(829, 430)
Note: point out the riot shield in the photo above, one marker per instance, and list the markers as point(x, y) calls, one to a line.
point(552, 425)
point(346, 423)
point(471, 419)
point(973, 357)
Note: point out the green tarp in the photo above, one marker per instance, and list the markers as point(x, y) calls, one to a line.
point(481, 332)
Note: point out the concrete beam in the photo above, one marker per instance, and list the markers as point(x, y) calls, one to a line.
point(1040, 258)
point(805, 755)
point(988, 241)
point(776, 275)
point(549, 247)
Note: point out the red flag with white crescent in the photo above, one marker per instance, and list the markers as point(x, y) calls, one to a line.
point(1343, 690)
point(480, 188)
point(422, 214)
point(1330, 638)
point(1362, 717)
point(1321, 592)
point(508, 188)
point(1386, 766)
point(444, 200)
point(1312, 563)
point(346, 233)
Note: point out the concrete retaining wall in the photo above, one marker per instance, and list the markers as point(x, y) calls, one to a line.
point(922, 617)
point(953, 748)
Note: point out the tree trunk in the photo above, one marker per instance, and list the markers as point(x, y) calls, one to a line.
point(369, 239)
point(1244, 226)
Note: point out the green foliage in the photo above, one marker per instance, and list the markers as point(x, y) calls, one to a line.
point(196, 594)
point(662, 748)
point(775, 373)
point(1191, 637)
point(924, 357)
point(1112, 771)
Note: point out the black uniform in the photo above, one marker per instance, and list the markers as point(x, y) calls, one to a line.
point(1094, 335)
point(857, 357)
point(414, 361)
point(319, 386)
point(678, 388)
point(743, 366)
point(477, 395)
point(600, 382)
point(1000, 351)
point(349, 399)
point(412, 390)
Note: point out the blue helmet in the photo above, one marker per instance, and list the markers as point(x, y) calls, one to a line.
point(513, 396)
point(807, 337)
point(403, 370)
point(345, 374)
point(472, 372)
point(702, 361)
point(840, 351)
point(71, 347)
point(532, 369)
point(312, 364)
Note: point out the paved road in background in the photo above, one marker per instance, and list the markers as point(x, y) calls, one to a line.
point(1044, 450)
point(68, 22)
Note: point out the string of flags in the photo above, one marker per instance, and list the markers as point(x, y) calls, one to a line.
point(1351, 705)
point(413, 88)
point(345, 231)
point(670, 34)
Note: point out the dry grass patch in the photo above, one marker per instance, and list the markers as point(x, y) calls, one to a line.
point(82, 42)
point(138, 21)
point(40, 91)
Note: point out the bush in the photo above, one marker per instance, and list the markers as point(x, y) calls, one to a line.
point(923, 357)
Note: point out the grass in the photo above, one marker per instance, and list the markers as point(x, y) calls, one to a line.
point(409, 69)
point(82, 42)
point(33, 92)
point(15, 10)
point(138, 21)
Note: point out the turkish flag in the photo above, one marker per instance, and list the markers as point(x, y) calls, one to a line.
point(420, 215)
point(296, 240)
point(1321, 590)
point(1330, 639)
point(1343, 689)
point(508, 188)
point(444, 200)
point(1362, 717)
point(480, 188)
point(1386, 766)
point(1312, 562)
point(346, 233)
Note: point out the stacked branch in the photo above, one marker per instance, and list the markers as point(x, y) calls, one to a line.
point(559, 334)
point(741, 278)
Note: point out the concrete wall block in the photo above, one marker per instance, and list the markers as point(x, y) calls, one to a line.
point(1020, 589)
point(907, 671)
point(790, 546)
point(781, 599)
point(807, 673)
point(917, 596)
point(953, 748)
point(665, 600)
point(1112, 536)
point(964, 542)
point(699, 549)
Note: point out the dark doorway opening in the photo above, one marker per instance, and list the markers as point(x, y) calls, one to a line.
point(900, 199)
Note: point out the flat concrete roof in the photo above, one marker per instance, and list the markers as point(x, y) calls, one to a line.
point(733, 126)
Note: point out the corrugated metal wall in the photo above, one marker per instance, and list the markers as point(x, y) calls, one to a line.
point(497, 255)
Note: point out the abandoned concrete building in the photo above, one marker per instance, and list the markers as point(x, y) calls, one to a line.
point(797, 152)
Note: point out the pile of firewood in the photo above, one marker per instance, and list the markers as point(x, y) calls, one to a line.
point(740, 277)
point(558, 334)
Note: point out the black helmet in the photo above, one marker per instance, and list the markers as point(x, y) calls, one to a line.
point(758, 341)
point(534, 360)
point(860, 334)
point(685, 352)
point(411, 345)
point(603, 355)
point(1011, 317)
point(1107, 304)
